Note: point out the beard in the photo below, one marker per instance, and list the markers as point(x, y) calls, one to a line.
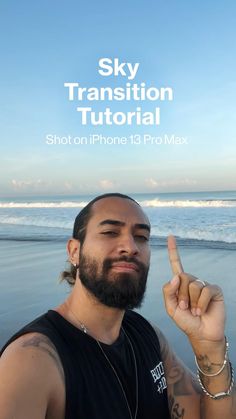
point(119, 290)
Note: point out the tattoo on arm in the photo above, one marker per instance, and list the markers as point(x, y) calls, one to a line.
point(176, 411)
point(183, 382)
point(206, 363)
point(44, 344)
point(180, 380)
point(177, 376)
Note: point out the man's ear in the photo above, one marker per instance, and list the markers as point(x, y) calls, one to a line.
point(73, 249)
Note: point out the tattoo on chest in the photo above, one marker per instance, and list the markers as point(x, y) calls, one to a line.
point(177, 412)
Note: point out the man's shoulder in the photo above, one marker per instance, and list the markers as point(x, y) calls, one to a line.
point(28, 364)
point(30, 349)
point(27, 339)
point(32, 344)
point(39, 325)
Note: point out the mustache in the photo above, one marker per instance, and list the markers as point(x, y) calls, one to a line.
point(107, 264)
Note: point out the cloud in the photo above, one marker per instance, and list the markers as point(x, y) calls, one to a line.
point(152, 183)
point(106, 184)
point(28, 184)
point(68, 186)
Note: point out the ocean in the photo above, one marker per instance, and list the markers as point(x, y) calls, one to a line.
point(202, 219)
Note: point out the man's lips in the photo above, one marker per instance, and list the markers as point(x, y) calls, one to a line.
point(125, 266)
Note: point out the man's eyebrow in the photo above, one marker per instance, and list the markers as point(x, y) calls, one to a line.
point(112, 222)
point(143, 226)
point(122, 224)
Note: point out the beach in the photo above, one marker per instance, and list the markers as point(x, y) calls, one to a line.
point(29, 285)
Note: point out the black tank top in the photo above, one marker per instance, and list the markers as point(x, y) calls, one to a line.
point(92, 388)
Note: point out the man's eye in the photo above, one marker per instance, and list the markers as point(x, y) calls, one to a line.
point(109, 233)
point(142, 238)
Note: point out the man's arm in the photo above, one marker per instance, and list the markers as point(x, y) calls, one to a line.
point(210, 359)
point(184, 392)
point(198, 310)
point(30, 379)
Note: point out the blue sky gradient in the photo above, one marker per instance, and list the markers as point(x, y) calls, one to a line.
point(189, 46)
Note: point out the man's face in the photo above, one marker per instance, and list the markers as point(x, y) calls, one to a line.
point(114, 258)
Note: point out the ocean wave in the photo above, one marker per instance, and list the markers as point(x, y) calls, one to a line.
point(188, 242)
point(185, 203)
point(198, 234)
point(36, 222)
point(188, 203)
point(57, 226)
point(62, 204)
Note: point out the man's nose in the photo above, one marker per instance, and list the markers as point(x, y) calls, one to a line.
point(128, 245)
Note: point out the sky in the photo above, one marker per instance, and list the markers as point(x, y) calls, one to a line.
point(187, 46)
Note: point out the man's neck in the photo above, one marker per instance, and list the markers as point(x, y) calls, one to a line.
point(101, 322)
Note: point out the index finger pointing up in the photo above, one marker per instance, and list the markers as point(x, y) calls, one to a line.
point(174, 257)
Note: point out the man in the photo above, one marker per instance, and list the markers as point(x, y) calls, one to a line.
point(93, 357)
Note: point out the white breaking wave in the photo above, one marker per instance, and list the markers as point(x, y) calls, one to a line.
point(43, 204)
point(188, 203)
point(147, 203)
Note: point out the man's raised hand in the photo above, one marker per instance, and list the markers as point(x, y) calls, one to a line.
point(196, 308)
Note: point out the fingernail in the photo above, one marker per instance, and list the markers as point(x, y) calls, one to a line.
point(193, 311)
point(183, 305)
point(198, 312)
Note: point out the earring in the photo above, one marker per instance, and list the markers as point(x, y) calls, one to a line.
point(75, 265)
